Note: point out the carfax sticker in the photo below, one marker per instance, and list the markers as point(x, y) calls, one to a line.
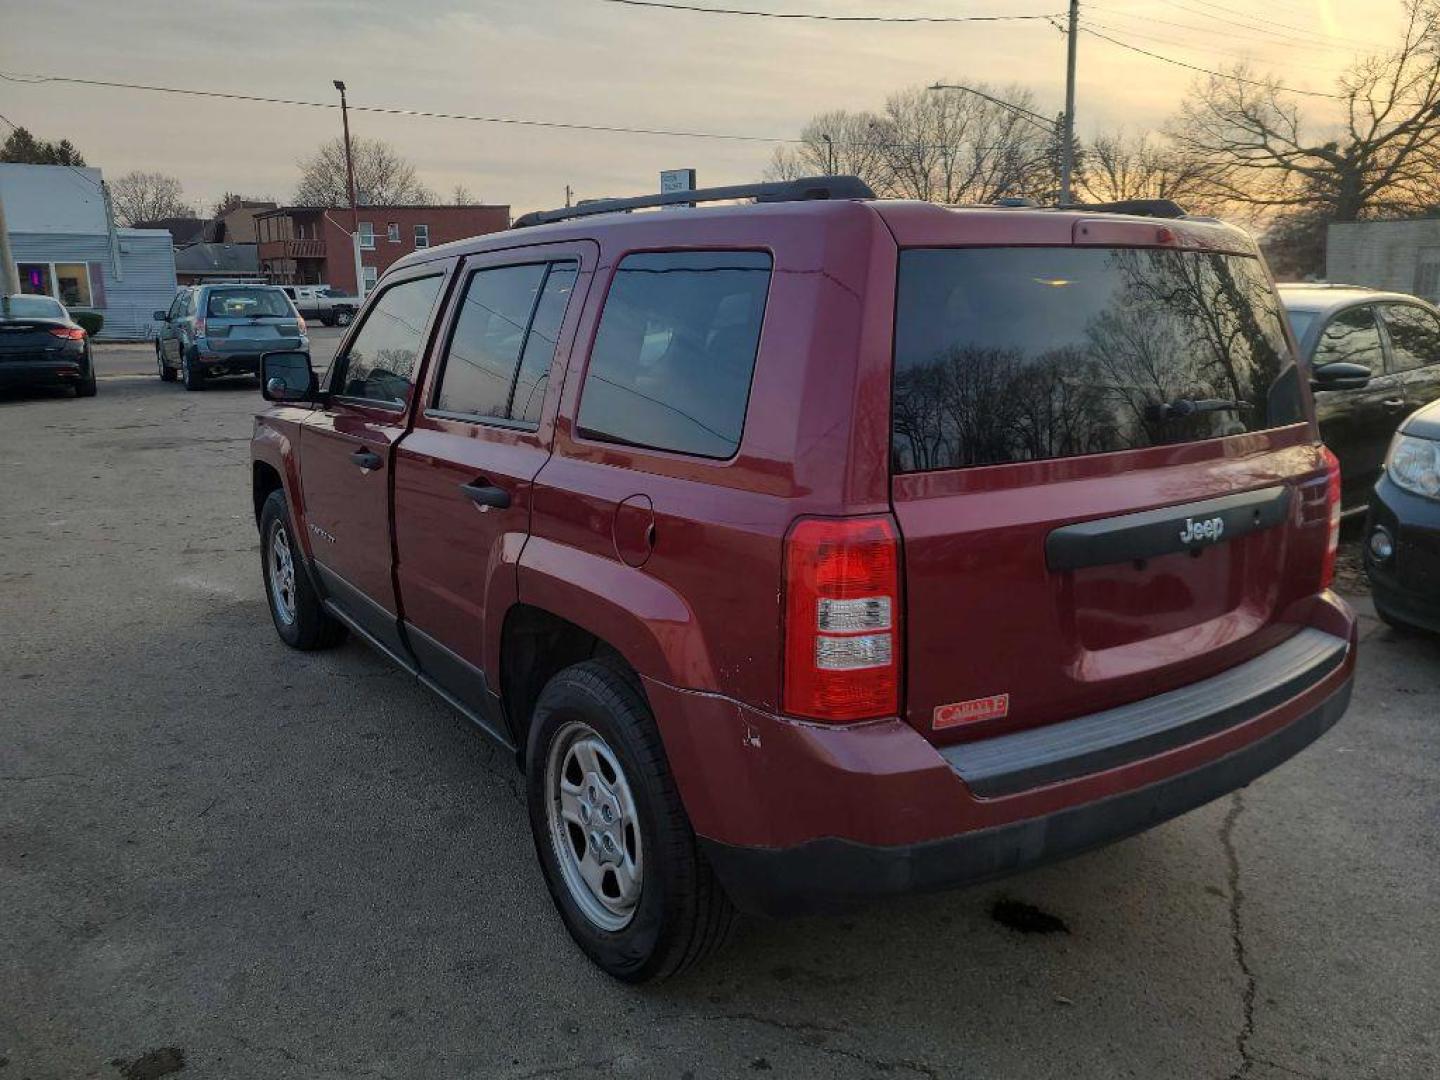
point(956, 713)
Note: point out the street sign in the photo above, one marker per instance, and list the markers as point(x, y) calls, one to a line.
point(673, 180)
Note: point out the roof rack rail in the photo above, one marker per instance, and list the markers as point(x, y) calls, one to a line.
point(1161, 208)
point(802, 190)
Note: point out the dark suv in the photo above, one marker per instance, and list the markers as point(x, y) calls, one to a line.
point(823, 547)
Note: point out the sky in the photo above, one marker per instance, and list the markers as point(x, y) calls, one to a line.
point(600, 63)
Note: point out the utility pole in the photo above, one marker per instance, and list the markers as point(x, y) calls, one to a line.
point(1067, 151)
point(829, 155)
point(9, 275)
point(568, 194)
point(350, 185)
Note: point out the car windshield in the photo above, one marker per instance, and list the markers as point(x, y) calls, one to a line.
point(247, 304)
point(1023, 354)
point(31, 307)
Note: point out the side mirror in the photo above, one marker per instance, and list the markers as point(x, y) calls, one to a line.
point(287, 376)
point(1340, 376)
point(161, 316)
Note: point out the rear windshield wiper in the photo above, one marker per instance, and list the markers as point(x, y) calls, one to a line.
point(1169, 410)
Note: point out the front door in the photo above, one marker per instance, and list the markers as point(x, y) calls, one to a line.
point(346, 452)
point(170, 328)
point(463, 474)
point(1357, 424)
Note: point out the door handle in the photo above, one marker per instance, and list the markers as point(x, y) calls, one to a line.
point(1393, 403)
point(366, 459)
point(486, 495)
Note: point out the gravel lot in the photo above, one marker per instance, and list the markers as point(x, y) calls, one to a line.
point(223, 857)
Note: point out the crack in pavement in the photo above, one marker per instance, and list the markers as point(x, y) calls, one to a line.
point(882, 1064)
point(1237, 941)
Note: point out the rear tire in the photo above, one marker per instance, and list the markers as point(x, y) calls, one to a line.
point(343, 317)
point(86, 387)
point(300, 619)
point(190, 375)
point(592, 712)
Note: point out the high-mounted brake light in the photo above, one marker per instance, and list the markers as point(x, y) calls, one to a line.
point(69, 333)
point(842, 619)
point(1332, 505)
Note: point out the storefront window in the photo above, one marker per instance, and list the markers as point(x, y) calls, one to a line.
point(35, 279)
point(72, 281)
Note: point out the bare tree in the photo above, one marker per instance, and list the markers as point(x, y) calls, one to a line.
point(148, 196)
point(462, 196)
point(837, 143)
point(1382, 158)
point(1118, 166)
point(382, 176)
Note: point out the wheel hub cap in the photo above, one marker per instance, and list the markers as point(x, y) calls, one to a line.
point(282, 574)
point(593, 826)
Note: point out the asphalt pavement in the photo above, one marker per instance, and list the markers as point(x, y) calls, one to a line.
point(221, 858)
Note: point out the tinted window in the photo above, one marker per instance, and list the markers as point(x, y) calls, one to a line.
point(535, 361)
point(485, 346)
point(380, 363)
point(675, 351)
point(1414, 336)
point(244, 303)
point(1022, 354)
point(1300, 323)
point(1352, 337)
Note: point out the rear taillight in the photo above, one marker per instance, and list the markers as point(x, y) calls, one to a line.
point(199, 327)
point(300, 320)
point(842, 619)
point(69, 333)
point(1332, 506)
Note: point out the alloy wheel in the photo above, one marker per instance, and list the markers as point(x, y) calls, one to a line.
point(282, 574)
point(594, 828)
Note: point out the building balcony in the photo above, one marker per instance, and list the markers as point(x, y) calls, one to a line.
point(292, 249)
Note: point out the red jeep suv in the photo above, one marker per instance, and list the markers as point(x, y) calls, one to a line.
point(818, 548)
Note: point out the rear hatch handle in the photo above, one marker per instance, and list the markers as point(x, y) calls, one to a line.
point(1170, 529)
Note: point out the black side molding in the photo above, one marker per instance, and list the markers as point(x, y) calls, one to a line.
point(1189, 527)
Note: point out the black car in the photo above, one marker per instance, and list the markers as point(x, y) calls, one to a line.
point(40, 345)
point(1396, 338)
point(1402, 531)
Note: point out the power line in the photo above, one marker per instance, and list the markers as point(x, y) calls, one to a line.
point(1330, 69)
point(1216, 31)
point(1207, 71)
point(1285, 26)
point(695, 9)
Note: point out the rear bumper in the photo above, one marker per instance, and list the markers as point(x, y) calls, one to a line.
point(833, 874)
point(49, 372)
point(801, 817)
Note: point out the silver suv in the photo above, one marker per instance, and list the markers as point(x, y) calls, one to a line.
point(215, 330)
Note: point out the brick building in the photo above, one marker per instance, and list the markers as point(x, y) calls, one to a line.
point(310, 245)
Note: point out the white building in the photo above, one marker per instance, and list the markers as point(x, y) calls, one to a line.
point(1399, 256)
point(66, 245)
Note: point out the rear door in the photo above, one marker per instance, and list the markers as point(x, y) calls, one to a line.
point(1414, 334)
point(1104, 474)
point(463, 475)
point(346, 450)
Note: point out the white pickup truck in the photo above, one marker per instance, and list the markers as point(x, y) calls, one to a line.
point(324, 303)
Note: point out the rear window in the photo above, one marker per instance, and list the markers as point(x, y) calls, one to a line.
point(31, 307)
point(1025, 354)
point(245, 303)
point(675, 350)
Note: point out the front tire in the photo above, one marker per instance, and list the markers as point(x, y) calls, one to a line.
point(618, 853)
point(167, 373)
point(300, 619)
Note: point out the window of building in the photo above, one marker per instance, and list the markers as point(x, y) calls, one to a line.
point(369, 275)
point(367, 236)
point(1414, 336)
point(675, 351)
point(380, 364)
point(498, 360)
point(422, 236)
point(392, 232)
point(67, 282)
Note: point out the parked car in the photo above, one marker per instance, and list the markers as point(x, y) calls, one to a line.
point(41, 345)
point(1402, 530)
point(825, 547)
point(329, 306)
point(215, 330)
point(1396, 338)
